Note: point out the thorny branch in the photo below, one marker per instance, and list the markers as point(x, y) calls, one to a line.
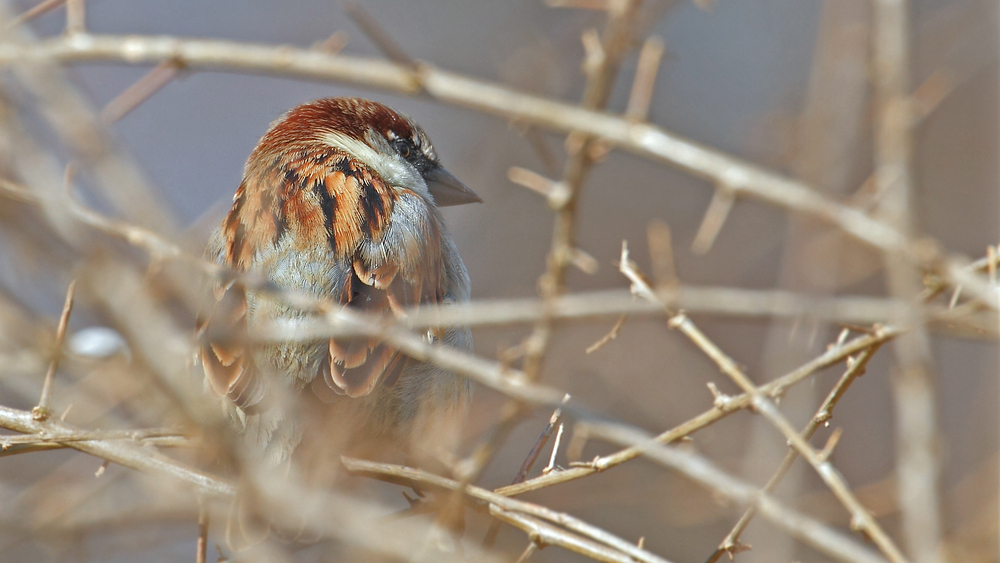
point(116, 451)
point(719, 410)
point(861, 519)
point(856, 367)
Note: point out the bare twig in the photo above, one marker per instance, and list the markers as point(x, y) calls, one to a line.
point(529, 550)
point(76, 17)
point(715, 217)
point(555, 450)
point(611, 335)
point(144, 88)
point(38, 9)
point(645, 79)
point(536, 450)
point(47, 437)
point(41, 412)
point(201, 553)
point(529, 462)
point(117, 451)
point(382, 39)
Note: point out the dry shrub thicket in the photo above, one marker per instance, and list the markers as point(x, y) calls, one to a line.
point(144, 410)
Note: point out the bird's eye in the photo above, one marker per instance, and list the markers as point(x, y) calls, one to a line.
point(404, 147)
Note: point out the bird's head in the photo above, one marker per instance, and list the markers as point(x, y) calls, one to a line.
point(391, 144)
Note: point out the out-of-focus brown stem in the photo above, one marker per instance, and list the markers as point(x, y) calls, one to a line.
point(917, 464)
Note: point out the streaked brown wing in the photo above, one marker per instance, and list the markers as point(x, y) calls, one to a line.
point(228, 369)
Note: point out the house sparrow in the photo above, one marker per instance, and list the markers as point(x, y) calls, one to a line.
point(339, 201)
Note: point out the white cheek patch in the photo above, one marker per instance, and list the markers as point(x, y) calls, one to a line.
point(389, 166)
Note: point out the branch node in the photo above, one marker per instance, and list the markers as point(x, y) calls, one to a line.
point(721, 401)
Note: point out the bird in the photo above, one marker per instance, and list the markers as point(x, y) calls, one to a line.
point(339, 202)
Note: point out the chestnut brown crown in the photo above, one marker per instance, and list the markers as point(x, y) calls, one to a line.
point(392, 144)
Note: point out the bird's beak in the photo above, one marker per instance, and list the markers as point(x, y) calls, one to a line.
point(447, 189)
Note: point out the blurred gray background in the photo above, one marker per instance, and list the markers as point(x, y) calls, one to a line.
point(735, 78)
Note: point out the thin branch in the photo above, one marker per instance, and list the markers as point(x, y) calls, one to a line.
point(645, 79)
point(41, 412)
point(529, 550)
point(555, 450)
point(46, 436)
point(117, 451)
point(382, 39)
point(143, 89)
point(76, 17)
point(40, 445)
point(201, 549)
point(536, 450)
point(38, 9)
point(611, 335)
point(715, 217)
